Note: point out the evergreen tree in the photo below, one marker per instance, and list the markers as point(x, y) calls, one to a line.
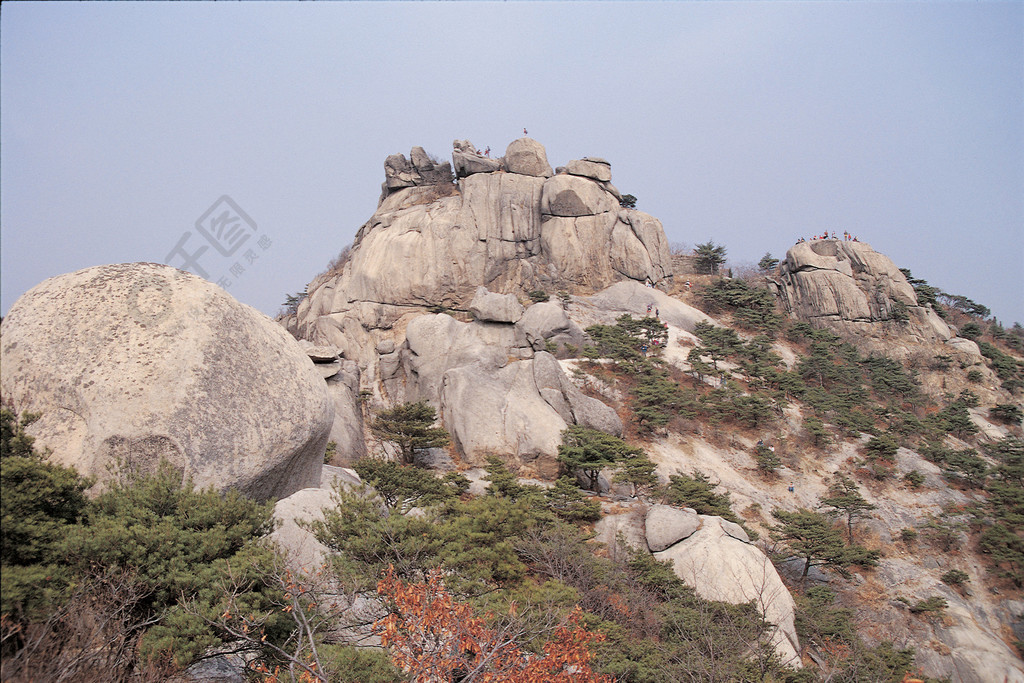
point(709, 257)
point(811, 535)
point(589, 450)
point(767, 262)
point(844, 498)
point(410, 427)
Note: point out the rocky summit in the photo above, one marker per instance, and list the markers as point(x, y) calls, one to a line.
point(509, 224)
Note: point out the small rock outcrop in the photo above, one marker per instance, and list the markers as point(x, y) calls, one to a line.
point(526, 156)
point(500, 308)
point(417, 171)
point(848, 286)
point(135, 362)
point(468, 160)
point(721, 564)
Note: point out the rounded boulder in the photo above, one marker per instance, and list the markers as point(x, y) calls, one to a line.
point(132, 363)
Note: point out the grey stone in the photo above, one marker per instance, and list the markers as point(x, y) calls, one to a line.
point(850, 287)
point(136, 362)
point(347, 429)
point(590, 167)
point(665, 526)
point(548, 321)
point(489, 306)
point(527, 157)
point(467, 160)
point(720, 567)
point(571, 196)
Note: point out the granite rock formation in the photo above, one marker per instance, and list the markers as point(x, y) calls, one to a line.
point(132, 363)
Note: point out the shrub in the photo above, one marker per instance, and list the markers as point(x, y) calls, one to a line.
point(589, 451)
point(913, 479)
point(698, 492)
point(1007, 413)
point(974, 376)
point(936, 604)
point(882, 447)
point(628, 201)
point(908, 535)
point(538, 296)
point(767, 460)
point(955, 577)
point(971, 330)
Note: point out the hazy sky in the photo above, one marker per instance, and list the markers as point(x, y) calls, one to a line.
point(751, 124)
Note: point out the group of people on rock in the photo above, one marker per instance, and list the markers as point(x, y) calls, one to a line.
point(847, 237)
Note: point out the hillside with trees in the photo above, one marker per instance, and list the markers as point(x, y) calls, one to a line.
point(618, 473)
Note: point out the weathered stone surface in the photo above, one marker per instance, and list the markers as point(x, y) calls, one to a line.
point(570, 196)
point(590, 167)
point(419, 170)
point(424, 248)
point(468, 160)
point(490, 402)
point(319, 354)
point(629, 526)
point(586, 411)
point(328, 370)
point(848, 286)
point(304, 553)
point(526, 156)
point(665, 526)
point(633, 298)
point(131, 362)
point(548, 321)
point(300, 545)
point(492, 307)
point(347, 428)
point(720, 567)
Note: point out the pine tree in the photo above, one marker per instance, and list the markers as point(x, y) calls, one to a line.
point(844, 498)
point(410, 427)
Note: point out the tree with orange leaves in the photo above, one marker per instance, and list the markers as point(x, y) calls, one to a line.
point(435, 638)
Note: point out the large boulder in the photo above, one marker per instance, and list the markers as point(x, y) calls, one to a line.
point(850, 287)
point(666, 525)
point(347, 427)
point(570, 196)
point(720, 566)
point(590, 167)
point(492, 307)
point(526, 156)
point(132, 363)
point(548, 322)
point(418, 170)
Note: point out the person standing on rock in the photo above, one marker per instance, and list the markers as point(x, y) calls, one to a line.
point(524, 132)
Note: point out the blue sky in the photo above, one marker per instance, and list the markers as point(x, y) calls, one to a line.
point(751, 124)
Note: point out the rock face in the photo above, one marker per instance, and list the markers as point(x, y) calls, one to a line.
point(137, 362)
point(721, 566)
point(848, 286)
point(512, 230)
point(500, 308)
point(494, 393)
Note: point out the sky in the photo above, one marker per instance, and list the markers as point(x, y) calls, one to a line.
point(127, 129)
